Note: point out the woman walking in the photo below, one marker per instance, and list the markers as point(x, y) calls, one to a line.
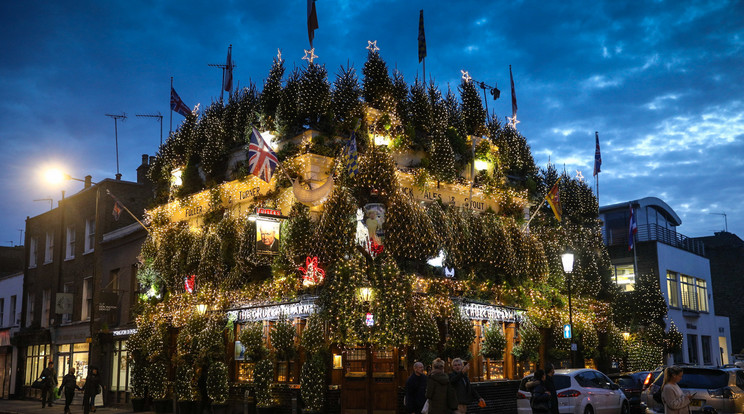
point(540, 400)
point(90, 389)
point(69, 385)
point(675, 401)
point(439, 391)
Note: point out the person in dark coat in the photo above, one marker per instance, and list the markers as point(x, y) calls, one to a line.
point(68, 386)
point(540, 400)
point(460, 382)
point(49, 380)
point(550, 386)
point(439, 391)
point(416, 389)
point(90, 390)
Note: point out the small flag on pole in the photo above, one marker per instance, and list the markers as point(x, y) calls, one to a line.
point(632, 228)
point(514, 100)
point(421, 37)
point(177, 104)
point(350, 156)
point(262, 161)
point(597, 156)
point(117, 210)
point(228, 80)
point(312, 21)
point(554, 199)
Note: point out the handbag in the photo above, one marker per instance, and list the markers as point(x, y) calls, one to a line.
point(38, 384)
point(425, 409)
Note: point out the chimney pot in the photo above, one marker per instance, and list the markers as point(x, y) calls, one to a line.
point(88, 181)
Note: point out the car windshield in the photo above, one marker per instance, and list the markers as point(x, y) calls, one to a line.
point(704, 379)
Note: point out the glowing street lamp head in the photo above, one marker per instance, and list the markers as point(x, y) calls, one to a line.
point(55, 176)
point(568, 262)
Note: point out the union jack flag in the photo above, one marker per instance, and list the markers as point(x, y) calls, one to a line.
point(262, 160)
point(177, 104)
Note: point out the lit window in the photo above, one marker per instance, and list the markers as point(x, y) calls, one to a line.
point(689, 294)
point(672, 289)
point(702, 295)
point(625, 277)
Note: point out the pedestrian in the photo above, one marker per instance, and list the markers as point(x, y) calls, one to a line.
point(540, 400)
point(460, 382)
point(550, 386)
point(49, 380)
point(675, 401)
point(69, 385)
point(91, 388)
point(439, 392)
point(416, 389)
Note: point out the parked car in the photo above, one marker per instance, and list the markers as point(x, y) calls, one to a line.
point(631, 383)
point(719, 388)
point(580, 391)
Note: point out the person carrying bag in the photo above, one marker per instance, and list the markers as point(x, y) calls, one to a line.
point(540, 400)
point(68, 386)
point(441, 397)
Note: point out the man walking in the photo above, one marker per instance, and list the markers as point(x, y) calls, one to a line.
point(416, 389)
point(49, 381)
point(460, 382)
point(69, 385)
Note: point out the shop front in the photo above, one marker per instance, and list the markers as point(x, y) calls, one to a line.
point(72, 351)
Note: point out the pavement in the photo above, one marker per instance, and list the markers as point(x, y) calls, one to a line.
point(34, 407)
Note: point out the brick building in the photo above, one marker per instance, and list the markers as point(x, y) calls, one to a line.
point(65, 280)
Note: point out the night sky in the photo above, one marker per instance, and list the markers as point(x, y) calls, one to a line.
point(662, 82)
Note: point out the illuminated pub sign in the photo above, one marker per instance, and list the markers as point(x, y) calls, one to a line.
point(298, 309)
point(482, 312)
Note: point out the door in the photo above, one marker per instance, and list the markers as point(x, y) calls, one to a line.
point(369, 383)
point(613, 393)
point(383, 396)
point(355, 389)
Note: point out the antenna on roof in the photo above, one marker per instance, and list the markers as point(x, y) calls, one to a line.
point(725, 219)
point(116, 118)
point(160, 119)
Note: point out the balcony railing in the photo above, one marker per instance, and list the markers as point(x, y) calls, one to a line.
point(654, 232)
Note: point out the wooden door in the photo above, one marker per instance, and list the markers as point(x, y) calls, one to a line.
point(383, 386)
point(355, 388)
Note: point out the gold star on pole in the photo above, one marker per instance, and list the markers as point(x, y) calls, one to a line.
point(465, 76)
point(372, 46)
point(195, 110)
point(279, 54)
point(309, 55)
point(579, 176)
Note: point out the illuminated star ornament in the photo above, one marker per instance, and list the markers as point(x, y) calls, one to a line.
point(512, 121)
point(195, 110)
point(312, 274)
point(579, 176)
point(309, 55)
point(465, 76)
point(372, 46)
point(279, 54)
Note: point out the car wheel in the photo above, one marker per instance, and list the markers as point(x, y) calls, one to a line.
point(625, 409)
point(588, 410)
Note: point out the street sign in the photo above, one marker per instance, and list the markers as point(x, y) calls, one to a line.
point(566, 331)
point(574, 347)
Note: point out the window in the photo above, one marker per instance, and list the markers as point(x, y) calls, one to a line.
point(46, 304)
point(625, 277)
point(2, 311)
point(12, 311)
point(702, 295)
point(87, 298)
point(37, 357)
point(70, 254)
point(33, 252)
point(90, 234)
point(692, 351)
point(672, 289)
point(49, 251)
point(68, 288)
point(706, 349)
point(30, 309)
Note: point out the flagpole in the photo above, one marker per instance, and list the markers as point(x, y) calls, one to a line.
point(527, 225)
point(170, 130)
point(127, 210)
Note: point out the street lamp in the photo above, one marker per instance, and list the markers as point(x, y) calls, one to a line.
point(567, 259)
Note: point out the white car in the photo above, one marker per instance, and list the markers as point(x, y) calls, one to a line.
point(580, 391)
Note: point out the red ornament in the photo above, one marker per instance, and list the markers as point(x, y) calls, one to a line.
point(374, 248)
point(312, 274)
point(188, 283)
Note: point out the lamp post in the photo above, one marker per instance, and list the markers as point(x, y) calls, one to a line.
point(567, 259)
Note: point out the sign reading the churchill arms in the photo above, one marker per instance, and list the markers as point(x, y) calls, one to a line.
point(299, 309)
point(482, 312)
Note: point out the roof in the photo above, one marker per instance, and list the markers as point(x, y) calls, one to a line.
point(656, 202)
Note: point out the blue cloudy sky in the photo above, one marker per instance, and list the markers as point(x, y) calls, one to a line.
point(661, 81)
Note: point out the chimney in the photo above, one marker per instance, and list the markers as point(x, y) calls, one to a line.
point(88, 181)
point(142, 169)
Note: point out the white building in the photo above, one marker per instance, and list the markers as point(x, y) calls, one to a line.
point(683, 271)
point(11, 294)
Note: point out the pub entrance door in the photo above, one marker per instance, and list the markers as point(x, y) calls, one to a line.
point(370, 381)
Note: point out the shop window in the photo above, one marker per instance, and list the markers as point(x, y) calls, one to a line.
point(37, 357)
point(245, 371)
point(121, 370)
point(80, 360)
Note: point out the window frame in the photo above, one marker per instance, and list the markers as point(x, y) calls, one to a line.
point(30, 299)
point(673, 291)
point(87, 299)
point(49, 248)
point(90, 235)
point(70, 243)
point(33, 252)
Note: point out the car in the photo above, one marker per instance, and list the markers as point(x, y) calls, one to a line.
point(721, 389)
point(580, 391)
point(632, 384)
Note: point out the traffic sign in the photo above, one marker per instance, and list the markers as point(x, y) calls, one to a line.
point(566, 331)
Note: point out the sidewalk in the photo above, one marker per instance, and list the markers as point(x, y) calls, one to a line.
point(34, 407)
